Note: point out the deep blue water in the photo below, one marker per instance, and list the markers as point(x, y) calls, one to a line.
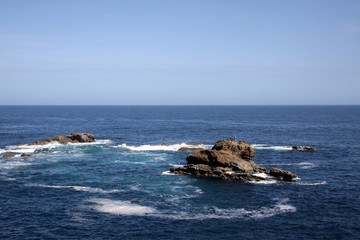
point(118, 188)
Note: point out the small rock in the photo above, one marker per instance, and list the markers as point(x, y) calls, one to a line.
point(280, 173)
point(25, 155)
point(8, 154)
point(187, 149)
point(165, 144)
point(303, 148)
point(194, 143)
point(82, 137)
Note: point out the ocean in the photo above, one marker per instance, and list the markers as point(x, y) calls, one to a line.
point(120, 186)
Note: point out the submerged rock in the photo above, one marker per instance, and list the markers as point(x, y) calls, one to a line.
point(8, 154)
point(25, 155)
point(303, 148)
point(194, 143)
point(188, 149)
point(282, 174)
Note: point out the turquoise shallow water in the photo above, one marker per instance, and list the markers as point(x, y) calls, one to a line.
point(120, 187)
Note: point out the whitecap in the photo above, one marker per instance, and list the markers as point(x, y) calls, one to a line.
point(269, 147)
point(76, 188)
point(174, 147)
point(312, 184)
point(167, 173)
point(121, 207)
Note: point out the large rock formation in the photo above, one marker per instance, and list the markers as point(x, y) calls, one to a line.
point(227, 159)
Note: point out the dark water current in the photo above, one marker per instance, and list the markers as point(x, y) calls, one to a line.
point(120, 187)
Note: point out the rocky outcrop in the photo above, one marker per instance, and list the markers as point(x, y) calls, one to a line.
point(25, 155)
point(8, 155)
point(71, 138)
point(229, 159)
point(282, 174)
point(82, 137)
point(303, 148)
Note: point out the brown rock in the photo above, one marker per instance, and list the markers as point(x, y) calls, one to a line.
point(303, 148)
point(242, 149)
point(39, 142)
point(187, 149)
point(194, 143)
point(62, 140)
point(282, 174)
point(82, 137)
point(165, 144)
point(25, 155)
point(8, 154)
point(227, 159)
point(48, 139)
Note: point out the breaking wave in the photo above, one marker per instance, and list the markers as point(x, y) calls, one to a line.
point(269, 147)
point(174, 147)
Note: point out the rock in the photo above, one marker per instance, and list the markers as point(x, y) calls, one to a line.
point(194, 143)
point(25, 155)
point(39, 142)
point(242, 149)
point(227, 159)
point(8, 154)
point(22, 144)
point(48, 139)
point(165, 144)
point(31, 144)
point(187, 149)
point(63, 140)
point(82, 137)
point(303, 148)
point(284, 175)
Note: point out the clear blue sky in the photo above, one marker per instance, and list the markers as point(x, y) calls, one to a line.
point(179, 52)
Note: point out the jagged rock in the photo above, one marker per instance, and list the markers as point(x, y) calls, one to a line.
point(227, 159)
point(187, 149)
point(25, 155)
point(242, 149)
point(283, 174)
point(82, 137)
point(303, 148)
point(8, 154)
point(194, 143)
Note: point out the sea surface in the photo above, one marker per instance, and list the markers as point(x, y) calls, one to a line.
point(120, 186)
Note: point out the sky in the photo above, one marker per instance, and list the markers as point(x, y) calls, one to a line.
point(188, 52)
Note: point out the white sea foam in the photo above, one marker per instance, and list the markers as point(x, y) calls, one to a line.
point(121, 207)
point(313, 184)
point(269, 147)
point(167, 173)
point(51, 145)
point(174, 147)
point(303, 165)
point(76, 188)
point(176, 165)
